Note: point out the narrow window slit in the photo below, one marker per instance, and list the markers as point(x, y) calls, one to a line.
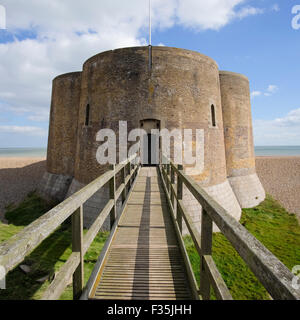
point(87, 115)
point(213, 116)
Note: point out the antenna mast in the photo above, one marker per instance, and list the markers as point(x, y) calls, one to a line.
point(150, 24)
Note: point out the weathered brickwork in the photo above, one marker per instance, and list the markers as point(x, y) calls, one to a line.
point(238, 135)
point(248, 190)
point(177, 88)
point(222, 193)
point(54, 186)
point(63, 124)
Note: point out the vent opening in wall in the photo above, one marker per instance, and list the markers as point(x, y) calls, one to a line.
point(213, 116)
point(87, 115)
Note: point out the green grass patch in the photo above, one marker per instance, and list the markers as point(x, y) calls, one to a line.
point(271, 224)
point(278, 230)
point(46, 259)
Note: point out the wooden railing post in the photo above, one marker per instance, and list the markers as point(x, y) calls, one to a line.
point(128, 166)
point(172, 185)
point(77, 246)
point(130, 170)
point(112, 195)
point(179, 197)
point(163, 168)
point(206, 249)
point(135, 172)
point(124, 193)
point(168, 175)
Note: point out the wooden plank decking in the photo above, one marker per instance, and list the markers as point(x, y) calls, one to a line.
point(144, 261)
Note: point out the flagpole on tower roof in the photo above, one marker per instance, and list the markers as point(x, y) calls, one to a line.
point(150, 24)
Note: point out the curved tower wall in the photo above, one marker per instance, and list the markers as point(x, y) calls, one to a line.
point(62, 135)
point(238, 134)
point(63, 124)
point(178, 90)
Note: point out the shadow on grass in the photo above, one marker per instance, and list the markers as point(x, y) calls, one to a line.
point(277, 229)
point(43, 260)
point(47, 258)
point(32, 208)
point(18, 182)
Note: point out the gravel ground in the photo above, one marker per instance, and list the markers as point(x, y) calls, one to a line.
point(280, 177)
point(18, 177)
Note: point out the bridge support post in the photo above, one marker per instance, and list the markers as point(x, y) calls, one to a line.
point(124, 193)
point(128, 168)
point(206, 250)
point(112, 195)
point(172, 187)
point(77, 246)
point(130, 171)
point(168, 175)
point(179, 197)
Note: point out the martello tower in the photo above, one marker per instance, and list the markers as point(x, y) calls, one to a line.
point(153, 87)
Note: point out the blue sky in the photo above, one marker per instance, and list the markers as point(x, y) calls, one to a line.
point(46, 38)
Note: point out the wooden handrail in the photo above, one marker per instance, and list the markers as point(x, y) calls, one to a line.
point(14, 251)
point(273, 274)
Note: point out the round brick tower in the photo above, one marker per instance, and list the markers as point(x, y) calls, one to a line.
point(238, 136)
point(153, 88)
point(176, 88)
point(62, 139)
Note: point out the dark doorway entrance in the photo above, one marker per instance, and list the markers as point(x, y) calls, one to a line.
point(151, 143)
point(151, 150)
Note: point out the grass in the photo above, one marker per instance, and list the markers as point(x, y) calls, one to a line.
point(47, 258)
point(278, 230)
point(271, 224)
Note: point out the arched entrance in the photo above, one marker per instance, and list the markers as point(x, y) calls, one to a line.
point(151, 142)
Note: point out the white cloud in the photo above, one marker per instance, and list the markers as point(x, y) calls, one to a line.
point(39, 117)
point(69, 32)
point(291, 120)
point(69, 15)
point(256, 94)
point(35, 131)
point(275, 7)
point(271, 89)
point(213, 14)
point(248, 11)
point(282, 131)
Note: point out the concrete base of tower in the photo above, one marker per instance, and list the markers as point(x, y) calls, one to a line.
point(54, 187)
point(248, 190)
point(221, 193)
point(93, 207)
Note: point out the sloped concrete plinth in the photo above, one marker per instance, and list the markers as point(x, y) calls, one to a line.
point(248, 190)
point(54, 187)
point(93, 207)
point(222, 193)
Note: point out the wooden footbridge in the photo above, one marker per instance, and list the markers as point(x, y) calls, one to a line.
point(144, 257)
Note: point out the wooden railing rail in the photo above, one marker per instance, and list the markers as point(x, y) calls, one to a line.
point(273, 274)
point(14, 251)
